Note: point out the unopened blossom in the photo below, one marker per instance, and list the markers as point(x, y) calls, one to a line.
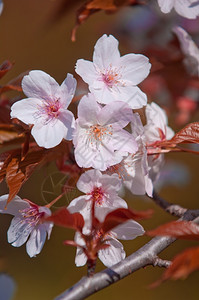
point(134, 169)
point(186, 8)
point(26, 226)
point(157, 128)
point(115, 252)
point(46, 108)
point(102, 189)
point(99, 133)
point(112, 77)
point(139, 170)
point(189, 49)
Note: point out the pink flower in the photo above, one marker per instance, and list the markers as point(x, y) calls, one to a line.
point(26, 226)
point(115, 252)
point(114, 78)
point(46, 108)
point(156, 128)
point(102, 189)
point(189, 49)
point(186, 8)
point(99, 133)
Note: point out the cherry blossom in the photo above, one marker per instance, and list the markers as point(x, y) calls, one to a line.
point(134, 169)
point(115, 252)
point(99, 133)
point(26, 226)
point(189, 49)
point(156, 128)
point(186, 8)
point(139, 170)
point(46, 108)
point(102, 189)
point(113, 77)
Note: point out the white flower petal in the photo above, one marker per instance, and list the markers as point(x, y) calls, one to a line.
point(14, 207)
point(49, 135)
point(18, 231)
point(88, 180)
point(36, 241)
point(39, 84)
point(106, 51)
point(136, 68)
point(86, 70)
point(113, 254)
point(118, 115)
point(166, 6)
point(26, 110)
point(67, 89)
point(78, 204)
point(88, 110)
point(128, 230)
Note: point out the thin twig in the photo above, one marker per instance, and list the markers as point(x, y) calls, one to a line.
point(173, 209)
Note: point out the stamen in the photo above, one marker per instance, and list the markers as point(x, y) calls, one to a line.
point(31, 215)
point(97, 133)
point(97, 196)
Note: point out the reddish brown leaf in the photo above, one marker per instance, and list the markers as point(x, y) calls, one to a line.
point(182, 265)
point(121, 215)
point(5, 67)
point(18, 172)
point(182, 230)
point(64, 218)
point(189, 134)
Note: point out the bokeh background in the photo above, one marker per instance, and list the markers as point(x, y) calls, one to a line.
point(32, 39)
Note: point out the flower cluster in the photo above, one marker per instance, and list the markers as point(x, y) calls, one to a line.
point(108, 137)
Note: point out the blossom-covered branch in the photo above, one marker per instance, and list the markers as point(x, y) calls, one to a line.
point(145, 256)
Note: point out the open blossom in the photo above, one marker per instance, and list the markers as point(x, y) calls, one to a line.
point(99, 133)
point(113, 77)
point(189, 49)
point(186, 8)
point(115, 252)
point(26, 226)
point(46, 108)
point(100, 188)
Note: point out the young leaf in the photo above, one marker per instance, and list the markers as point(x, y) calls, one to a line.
point(182, 230)
point(189, 134)
point(64, 218)
point(121, 215)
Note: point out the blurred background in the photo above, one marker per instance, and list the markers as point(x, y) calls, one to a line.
point(35, 36)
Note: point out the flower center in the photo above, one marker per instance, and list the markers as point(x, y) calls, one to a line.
point(97, 133)
point(111, 76)
point(31, 215)
point(98, 196)
point(52, 108)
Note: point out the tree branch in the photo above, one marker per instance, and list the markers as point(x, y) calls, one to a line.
point(146, 255)
point(173, 209)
